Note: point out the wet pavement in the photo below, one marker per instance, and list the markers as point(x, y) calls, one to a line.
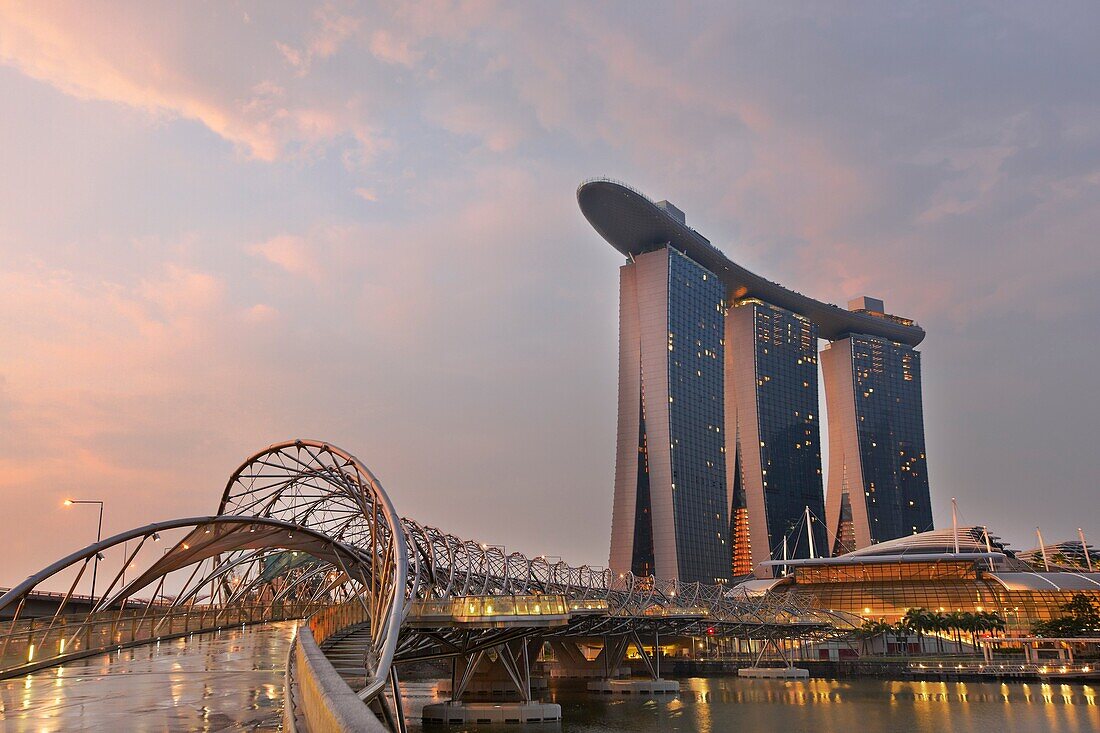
point(225, 681)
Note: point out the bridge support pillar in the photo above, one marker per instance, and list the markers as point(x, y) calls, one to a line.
point(499, 670)
point(571, 663)
point(607, 673)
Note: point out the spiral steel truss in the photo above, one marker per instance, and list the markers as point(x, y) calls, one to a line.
point(304, 526)
point(214, 572)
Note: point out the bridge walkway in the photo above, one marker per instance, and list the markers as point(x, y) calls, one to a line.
point(347, 651)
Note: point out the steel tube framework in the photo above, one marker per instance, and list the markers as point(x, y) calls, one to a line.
point(304, 529)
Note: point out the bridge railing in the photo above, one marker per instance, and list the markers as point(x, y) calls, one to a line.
point(326, 622)
point(30, 644)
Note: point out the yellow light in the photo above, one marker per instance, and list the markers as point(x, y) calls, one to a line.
point(68, 502)
point(30, 653)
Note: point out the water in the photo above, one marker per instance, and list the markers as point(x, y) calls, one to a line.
point(234, 681)
point(716, 705)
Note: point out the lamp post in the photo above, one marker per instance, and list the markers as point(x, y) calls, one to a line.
point(98, 537)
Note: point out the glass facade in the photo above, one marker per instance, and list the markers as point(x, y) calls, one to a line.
point(785, 352)
point(696, 308)
point(890, 426)
point(887, 591)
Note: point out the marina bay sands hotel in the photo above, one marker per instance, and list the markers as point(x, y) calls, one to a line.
point(718, 455)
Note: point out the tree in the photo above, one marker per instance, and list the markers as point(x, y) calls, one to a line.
point(956, 622)
point(872, 628)
point(902, 628)
point(1080, 617)
point(922, 620)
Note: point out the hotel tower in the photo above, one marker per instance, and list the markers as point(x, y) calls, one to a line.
point(718, 454)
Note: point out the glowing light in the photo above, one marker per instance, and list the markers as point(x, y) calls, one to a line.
point(68, 502)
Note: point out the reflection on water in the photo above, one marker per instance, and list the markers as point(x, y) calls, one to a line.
point(230, 680)
point(824, 706)
point(234, 681)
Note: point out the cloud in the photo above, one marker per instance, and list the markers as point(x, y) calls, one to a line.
point(133, 59)
point(490, 126)
point(332, 30)
point(177, 303)
point(292, 254)
point(387, 47)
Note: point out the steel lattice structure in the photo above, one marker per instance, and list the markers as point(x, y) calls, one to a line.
point(304, 526)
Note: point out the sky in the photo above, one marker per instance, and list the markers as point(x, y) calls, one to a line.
point(227, 224)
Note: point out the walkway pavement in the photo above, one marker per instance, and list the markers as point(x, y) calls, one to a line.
point(231, 680)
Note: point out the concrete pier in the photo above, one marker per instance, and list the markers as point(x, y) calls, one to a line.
point(634, 687)
point(774, 673)
point(462, 713)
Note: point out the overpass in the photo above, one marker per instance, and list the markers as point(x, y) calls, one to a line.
point(305, 531)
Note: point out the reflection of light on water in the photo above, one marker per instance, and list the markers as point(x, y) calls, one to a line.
point(961, 695)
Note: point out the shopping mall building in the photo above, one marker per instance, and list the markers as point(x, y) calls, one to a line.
point(943, 571)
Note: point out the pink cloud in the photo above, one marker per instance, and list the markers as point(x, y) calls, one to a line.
point(332, 29)
point(388, 47)
point(131, 60)
point(290, 253)
point(491, 126)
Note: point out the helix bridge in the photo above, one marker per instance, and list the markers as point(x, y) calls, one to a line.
point(304, 531)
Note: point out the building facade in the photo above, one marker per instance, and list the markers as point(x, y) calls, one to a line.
point(884, 581)
point(718, 451)
point(670, 515)
point(773, 433)
point(878, 475)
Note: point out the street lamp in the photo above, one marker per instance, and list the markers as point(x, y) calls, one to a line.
point(98, 538)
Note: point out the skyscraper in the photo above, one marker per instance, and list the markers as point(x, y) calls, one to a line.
point(718, 452)
point(671, 515)
point(878, 474)
point(772, 430)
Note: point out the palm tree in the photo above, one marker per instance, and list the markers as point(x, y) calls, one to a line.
point(867, 631)
point(902, 628)
point(920, 620)
point(872, 628)
point(939, 623)
point(956, 621)
point(970, 626)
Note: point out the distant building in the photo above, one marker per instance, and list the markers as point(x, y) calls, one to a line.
point(884, 581)
point(878, 474)
point(1067, 555)
point(718, 454)
point(773, 434)
point(671, 515)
